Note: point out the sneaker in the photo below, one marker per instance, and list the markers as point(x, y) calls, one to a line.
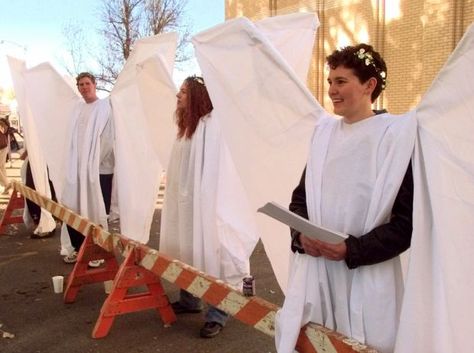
point(42, 235)
point(210, 329)
point(178, 308)
point(71, 258)
point(95, 263)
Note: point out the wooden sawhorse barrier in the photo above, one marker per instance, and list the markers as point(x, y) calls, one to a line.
point(16, 202)
point(125, 277)
point(253, 311)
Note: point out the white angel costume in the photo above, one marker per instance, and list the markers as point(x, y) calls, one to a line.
point(206, 221)
point(143, 135)
point(353, 175)
point(257, 86)
point(90, 153)
point(76, 140)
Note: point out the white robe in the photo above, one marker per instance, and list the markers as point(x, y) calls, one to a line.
point(253, 84)
point(90, 137)
point(352, 178)
point(206, 220)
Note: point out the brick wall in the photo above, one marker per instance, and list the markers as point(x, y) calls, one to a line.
point(415, 38)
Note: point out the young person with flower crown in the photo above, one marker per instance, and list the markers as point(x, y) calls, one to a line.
point(358, 181)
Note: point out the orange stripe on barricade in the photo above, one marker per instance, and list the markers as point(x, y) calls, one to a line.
point(253, 311)
point(61, 213)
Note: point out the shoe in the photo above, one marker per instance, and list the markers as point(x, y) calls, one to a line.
point(178, 308)
point(210, 329)
point(71, 258)
point(42, 235)
point(95, 263)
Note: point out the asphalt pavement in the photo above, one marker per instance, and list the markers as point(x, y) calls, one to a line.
point(33, 319)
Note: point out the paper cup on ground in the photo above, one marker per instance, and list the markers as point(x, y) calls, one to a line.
point(108, 286)
point(58, 283)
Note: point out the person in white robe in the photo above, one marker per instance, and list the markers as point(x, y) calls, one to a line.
point(358, 181)
point(90, 166)
point(205, 222)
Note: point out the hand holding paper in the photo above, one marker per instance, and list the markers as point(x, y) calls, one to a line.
point(300, 224)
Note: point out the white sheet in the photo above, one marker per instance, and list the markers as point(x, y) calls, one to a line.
point(32, 142)
point(267, 117)
point(370, 156)
point(206, 221)
point(438, 307)
point(143, 102)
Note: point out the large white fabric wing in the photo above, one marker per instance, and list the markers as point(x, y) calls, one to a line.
point(33, 145)
point(267, 117)
point(438, 308)
point(293, 37)
point(143, 102)
point(52, 102)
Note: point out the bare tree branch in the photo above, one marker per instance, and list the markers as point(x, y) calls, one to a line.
point(123, 22)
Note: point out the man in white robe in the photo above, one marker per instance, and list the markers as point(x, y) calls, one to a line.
point(356, 183)
point(90, 165)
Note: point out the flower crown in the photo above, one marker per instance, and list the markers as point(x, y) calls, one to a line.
point(198, 79)
point(369, 60)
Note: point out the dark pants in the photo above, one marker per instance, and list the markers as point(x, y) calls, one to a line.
point(34, 209)
point(106, 187)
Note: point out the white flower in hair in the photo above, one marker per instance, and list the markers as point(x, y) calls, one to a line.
point(369, 60)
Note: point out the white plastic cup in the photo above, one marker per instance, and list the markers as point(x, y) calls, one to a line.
point(108, 286)
point(58, 283)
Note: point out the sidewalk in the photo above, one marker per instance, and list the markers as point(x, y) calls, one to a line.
point(41, 322)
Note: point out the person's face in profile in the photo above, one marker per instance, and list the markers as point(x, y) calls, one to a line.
point(87, 89)
point(182, 96)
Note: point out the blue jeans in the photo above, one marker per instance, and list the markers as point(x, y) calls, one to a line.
point(189, 301)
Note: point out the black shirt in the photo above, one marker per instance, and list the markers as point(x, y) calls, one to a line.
point(380, 244)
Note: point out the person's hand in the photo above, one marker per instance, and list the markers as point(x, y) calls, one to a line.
point(314, 247)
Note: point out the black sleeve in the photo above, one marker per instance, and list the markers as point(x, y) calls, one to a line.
point(298, 206)
point(387, 240)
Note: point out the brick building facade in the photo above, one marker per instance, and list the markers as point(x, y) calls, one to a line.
point(415, 37)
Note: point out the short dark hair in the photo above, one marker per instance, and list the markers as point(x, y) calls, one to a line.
point(85, 74)
point(364, 61)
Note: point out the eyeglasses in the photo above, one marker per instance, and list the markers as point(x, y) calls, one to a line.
point(198, 79)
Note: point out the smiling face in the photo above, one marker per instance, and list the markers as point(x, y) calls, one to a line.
point(350, 97)
point(87, 89)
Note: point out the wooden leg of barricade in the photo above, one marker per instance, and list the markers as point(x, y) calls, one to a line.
point(16, 202)
point(119, 301)
point(82, 274)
